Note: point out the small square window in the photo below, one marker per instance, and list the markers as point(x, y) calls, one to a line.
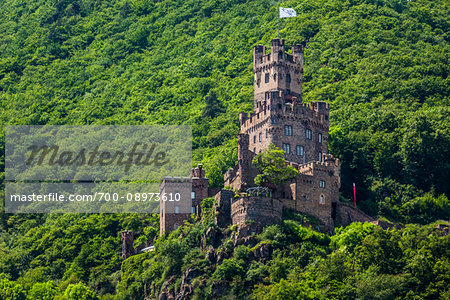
point(177, 209)
point(322, 184)
point(193, 210)
point(192, 195)
point(300, 150)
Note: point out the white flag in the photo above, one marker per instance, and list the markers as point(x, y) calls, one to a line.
point(287, 12)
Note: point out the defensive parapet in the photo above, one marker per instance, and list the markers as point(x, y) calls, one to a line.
point(315, 114)
point(263, 210)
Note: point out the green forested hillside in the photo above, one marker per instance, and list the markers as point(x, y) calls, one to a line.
point(381, 64)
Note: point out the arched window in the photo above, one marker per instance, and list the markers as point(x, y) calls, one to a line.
point(322, 199)
point(320, 138)
point(320, 156)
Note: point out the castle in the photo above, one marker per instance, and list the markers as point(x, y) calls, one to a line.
point(281, 118)
point(300, 129)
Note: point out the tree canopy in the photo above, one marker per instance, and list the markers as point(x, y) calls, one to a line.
point(272, 167)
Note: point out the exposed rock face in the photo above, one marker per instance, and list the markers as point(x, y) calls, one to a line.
point(222, 208)
point(212, 237)
point(165, 293)
point(211, 254)
point(186, 289)
point(245, 234)
point(263, 252)
point(221, 256)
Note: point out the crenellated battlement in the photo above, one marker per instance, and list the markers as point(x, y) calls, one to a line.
point(262, 59)
point(328, 164)
point(314, 114)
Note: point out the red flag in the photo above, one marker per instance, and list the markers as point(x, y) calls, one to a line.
point(354, 194)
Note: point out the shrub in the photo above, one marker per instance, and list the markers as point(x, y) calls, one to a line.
point(227, 270)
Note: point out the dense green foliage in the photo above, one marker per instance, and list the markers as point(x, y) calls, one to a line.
point(381, 64)
point(361, 261)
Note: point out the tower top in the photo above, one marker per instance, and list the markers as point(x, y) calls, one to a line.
point(277, 71)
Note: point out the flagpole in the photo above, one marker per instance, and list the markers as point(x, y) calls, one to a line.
point(278, 20)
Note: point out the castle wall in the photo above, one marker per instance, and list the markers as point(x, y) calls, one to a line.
point(347, 214)
point(262, 210)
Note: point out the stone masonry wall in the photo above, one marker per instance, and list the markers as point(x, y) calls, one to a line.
point(347, 213)
point(262, 210)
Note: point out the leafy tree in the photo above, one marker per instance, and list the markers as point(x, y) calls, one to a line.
point(79, 291)
point(10, 290)
point(227, 270)
point(43, 291)
point(272, 166)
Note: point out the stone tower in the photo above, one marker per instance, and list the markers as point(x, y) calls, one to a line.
point(191, 190)
point(277, 71)
point(127, 244)
point(279, 116)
